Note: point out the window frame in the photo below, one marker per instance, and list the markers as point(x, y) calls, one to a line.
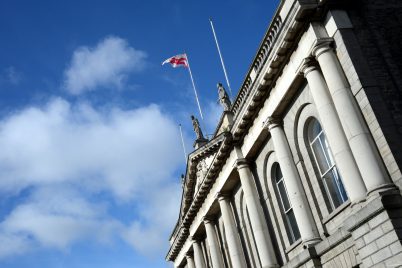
point(293, 235)
point(330, 163)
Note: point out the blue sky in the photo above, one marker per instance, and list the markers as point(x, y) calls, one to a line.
point(90, 156)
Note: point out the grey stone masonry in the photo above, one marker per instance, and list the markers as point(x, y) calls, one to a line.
point(377, 230)
point(374, 45)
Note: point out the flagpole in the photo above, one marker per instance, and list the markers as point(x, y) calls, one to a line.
point(195, 91)
point(220, 56)
point(182, 142)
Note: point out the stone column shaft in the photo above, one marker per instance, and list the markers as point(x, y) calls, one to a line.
point(198, 255)
point(213, 243)
point(367, 157)
point(258, 222)
point(232, 236)
point(297, 196)
point(190, 261)
point(345, 162)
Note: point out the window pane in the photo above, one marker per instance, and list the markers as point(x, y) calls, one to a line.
point(278, 173)
point(323, 157)
point(335, 188)
point(293, 225)
point(320, 156)
point(286, 207)
point(315, 129)
point(284, 195)
point(327, 150)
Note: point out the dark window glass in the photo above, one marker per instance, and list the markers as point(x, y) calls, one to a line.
point(330, 177)
point(285, 206)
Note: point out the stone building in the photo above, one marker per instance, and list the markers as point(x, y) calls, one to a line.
point(304, 170)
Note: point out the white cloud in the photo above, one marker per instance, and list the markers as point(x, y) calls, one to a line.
point(57, 218)
point(12, 244)
point(106, 65)
point(61, 142)
point(67, 155)
point(158, 216)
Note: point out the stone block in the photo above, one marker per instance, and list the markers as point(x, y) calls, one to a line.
point(387, 226)
point(368, 250)
point(381, 255)
point(395, 261)
point(362, 230)
point(396, 247)
point(377, 220)
point(386, 240)
point(373, 235)
point(360, 243)
point(367, 262)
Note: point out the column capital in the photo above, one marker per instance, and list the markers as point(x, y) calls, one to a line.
point(194, 239)
point(322, 47)
point(307, 65)
point(241, 163)
point(272, 122)
point(223, 196)
point(208, 220)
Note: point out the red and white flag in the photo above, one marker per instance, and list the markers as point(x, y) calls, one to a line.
point(177, 61)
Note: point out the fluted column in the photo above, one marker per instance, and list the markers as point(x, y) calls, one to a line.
point(212, 239)
point(190, 261)
point(198, 255)
point(345, 162)
point(257, 219)
point(297, 196)
point(367, 157)
point(232, 236)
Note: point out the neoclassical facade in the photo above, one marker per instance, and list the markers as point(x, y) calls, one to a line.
point(304, 169)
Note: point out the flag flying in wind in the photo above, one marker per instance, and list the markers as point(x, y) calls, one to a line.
point(182, 60)
point(178, 60)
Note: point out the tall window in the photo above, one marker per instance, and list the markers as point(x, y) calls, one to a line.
point(285, 205)
point(330, 177)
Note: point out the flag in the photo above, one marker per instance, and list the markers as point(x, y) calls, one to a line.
point(178, 60)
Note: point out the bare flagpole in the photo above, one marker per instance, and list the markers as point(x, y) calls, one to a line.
point(195, 91)
point(182, 142)
point(220, 56)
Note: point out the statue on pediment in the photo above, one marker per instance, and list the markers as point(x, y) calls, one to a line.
point(197, 128)
point(224, 99)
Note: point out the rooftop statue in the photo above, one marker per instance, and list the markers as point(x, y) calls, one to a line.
point(224, 98)
point(197, 128)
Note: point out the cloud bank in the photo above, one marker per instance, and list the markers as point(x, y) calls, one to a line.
point(108, 64)
point(58, 159)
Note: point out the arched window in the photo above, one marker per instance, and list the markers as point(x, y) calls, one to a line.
point(329, 174)
point(285, 205)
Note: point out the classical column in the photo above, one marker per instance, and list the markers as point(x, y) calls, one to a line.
point(367, 157)
point(212, 239)
point(257, 219)
point(190, 261)
point(297, 196)
point(345, 162)
point(198, 255)
point(232, 236)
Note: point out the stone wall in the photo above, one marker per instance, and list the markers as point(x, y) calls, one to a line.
point(377, 26)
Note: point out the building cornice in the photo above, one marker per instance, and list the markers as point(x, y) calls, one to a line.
point(268, 62)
